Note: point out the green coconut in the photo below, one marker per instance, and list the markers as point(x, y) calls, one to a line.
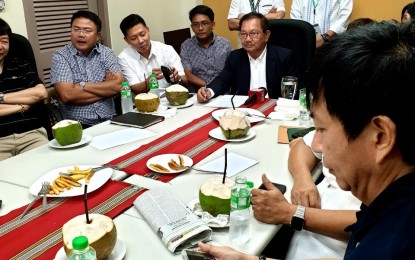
point(101, 233)
point(177, 95)
point(234, 124)
point(147, 102)
point(215, 197)
point(67, 132)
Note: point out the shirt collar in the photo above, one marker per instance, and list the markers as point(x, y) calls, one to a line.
point(196, 41)
point(74, 51)
point(261, 57)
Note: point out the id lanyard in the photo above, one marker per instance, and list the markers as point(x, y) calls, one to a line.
point(254, 7)
point(315, 4)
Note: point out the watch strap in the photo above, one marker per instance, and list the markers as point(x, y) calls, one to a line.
point(299, 213)
point(262, 257)
point(1, 97)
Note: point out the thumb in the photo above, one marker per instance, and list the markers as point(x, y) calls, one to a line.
point(267, 183)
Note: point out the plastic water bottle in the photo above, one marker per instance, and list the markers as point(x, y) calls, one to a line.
point(126, 98)
point(239, 217)
point(304, 118)
point(154, 85)
point(82, 250)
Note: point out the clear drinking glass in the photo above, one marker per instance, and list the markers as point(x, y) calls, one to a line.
point(289, 87)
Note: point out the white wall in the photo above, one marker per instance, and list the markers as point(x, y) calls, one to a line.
point(160, 16)
point(13, 14)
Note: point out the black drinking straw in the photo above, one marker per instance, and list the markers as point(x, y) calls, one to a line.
point(233, 106)
point(86, 204)
point(226, 165)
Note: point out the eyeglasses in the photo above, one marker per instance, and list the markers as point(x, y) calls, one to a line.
point(253, 35)
point(203, 24)
point(85, 31)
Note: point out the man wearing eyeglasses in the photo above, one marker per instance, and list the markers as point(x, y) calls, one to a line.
point(85, 73)
point(203, 56)
point(256, 65)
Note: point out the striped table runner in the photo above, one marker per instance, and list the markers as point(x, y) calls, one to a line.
point(38, 234)
point(192, 140)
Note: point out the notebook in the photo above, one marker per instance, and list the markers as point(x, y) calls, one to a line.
point(139, 120)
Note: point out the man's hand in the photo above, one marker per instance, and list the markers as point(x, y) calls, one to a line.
point(319, 40)
point(203, 95)
point(305, 194)
point(224, 252)
point(270, 205)
point(273, 10)
point(109, 75)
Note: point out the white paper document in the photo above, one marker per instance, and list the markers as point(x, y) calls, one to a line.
point(236, 164)
point(120, 137)
point(225, 101)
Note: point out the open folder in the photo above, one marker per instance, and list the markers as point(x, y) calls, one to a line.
point(139, 120)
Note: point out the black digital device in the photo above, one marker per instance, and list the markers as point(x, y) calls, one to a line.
point(166, 73)
point(196, 255)
point(279, 186)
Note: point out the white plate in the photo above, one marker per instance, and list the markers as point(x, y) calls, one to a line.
point(193, 203)
point(117, 253)
point(163, 160)
point(217, 133)
point(217, 114)
point(99, 178)
point(187, 104)
point(85, 139)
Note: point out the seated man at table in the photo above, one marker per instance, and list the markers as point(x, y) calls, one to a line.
point(255, 65)
point(363, 128)
point(144, 57)
point(21, 102)
point(85, 73)
point(204, 55)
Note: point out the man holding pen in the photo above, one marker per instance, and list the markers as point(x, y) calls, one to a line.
point(253, 66)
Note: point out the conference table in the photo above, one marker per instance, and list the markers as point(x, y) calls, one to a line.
point(18, 173)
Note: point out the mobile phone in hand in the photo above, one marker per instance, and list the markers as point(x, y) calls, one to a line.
point(196, 255)
point(279, 186)
point(166, 73)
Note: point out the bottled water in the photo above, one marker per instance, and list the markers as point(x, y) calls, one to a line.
point(304, 117)
point(154, 85)
point(126, 98)
point(239, 217)
point(82, 250)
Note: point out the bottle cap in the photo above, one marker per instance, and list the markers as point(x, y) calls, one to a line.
point(153, 75)
point(250, 184)
point(125, 83)
point(80, 243)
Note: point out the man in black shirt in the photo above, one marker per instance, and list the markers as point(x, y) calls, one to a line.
point(21, 97)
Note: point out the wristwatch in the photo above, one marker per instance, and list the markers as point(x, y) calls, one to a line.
point(180, 81)
point(1, 97)
point(262, 257)
point(82, 85)
point(326, 37)
point(297, 221)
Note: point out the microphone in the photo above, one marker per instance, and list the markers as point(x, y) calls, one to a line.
point(256, 96)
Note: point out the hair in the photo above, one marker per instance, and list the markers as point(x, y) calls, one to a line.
point(366, 72)
point(411, 10)
point(359, 22)
point(131, 21)
point(255, 15)
point(5, 28)
point(88, 15)
point(202, 9)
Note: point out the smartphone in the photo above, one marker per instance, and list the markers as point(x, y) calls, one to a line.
point(196, 255)
point(166, 73)
point(279, 186)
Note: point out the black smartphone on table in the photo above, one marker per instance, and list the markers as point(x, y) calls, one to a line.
point(279, 186)
point(166, 73)
point(196, 255)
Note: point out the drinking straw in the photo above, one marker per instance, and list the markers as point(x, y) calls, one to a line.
point(233, 106)
point(86, 204)
point(226, 164)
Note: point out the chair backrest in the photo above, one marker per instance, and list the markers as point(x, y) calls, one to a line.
point(176, 38)
point(300, 37)
point(20, 47)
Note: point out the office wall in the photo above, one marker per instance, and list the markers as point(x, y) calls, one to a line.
point(13, 14)
point(375, 9)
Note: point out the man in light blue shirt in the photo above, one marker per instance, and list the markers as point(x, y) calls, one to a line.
point(86, 74)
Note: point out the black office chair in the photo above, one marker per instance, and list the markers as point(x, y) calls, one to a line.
point(21, 48)
point(176, 38)
point(300, 37)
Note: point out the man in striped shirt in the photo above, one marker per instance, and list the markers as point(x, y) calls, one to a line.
point(21, 102)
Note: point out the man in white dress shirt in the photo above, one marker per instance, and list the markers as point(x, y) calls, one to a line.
point(144, 57)
point(328, 17)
